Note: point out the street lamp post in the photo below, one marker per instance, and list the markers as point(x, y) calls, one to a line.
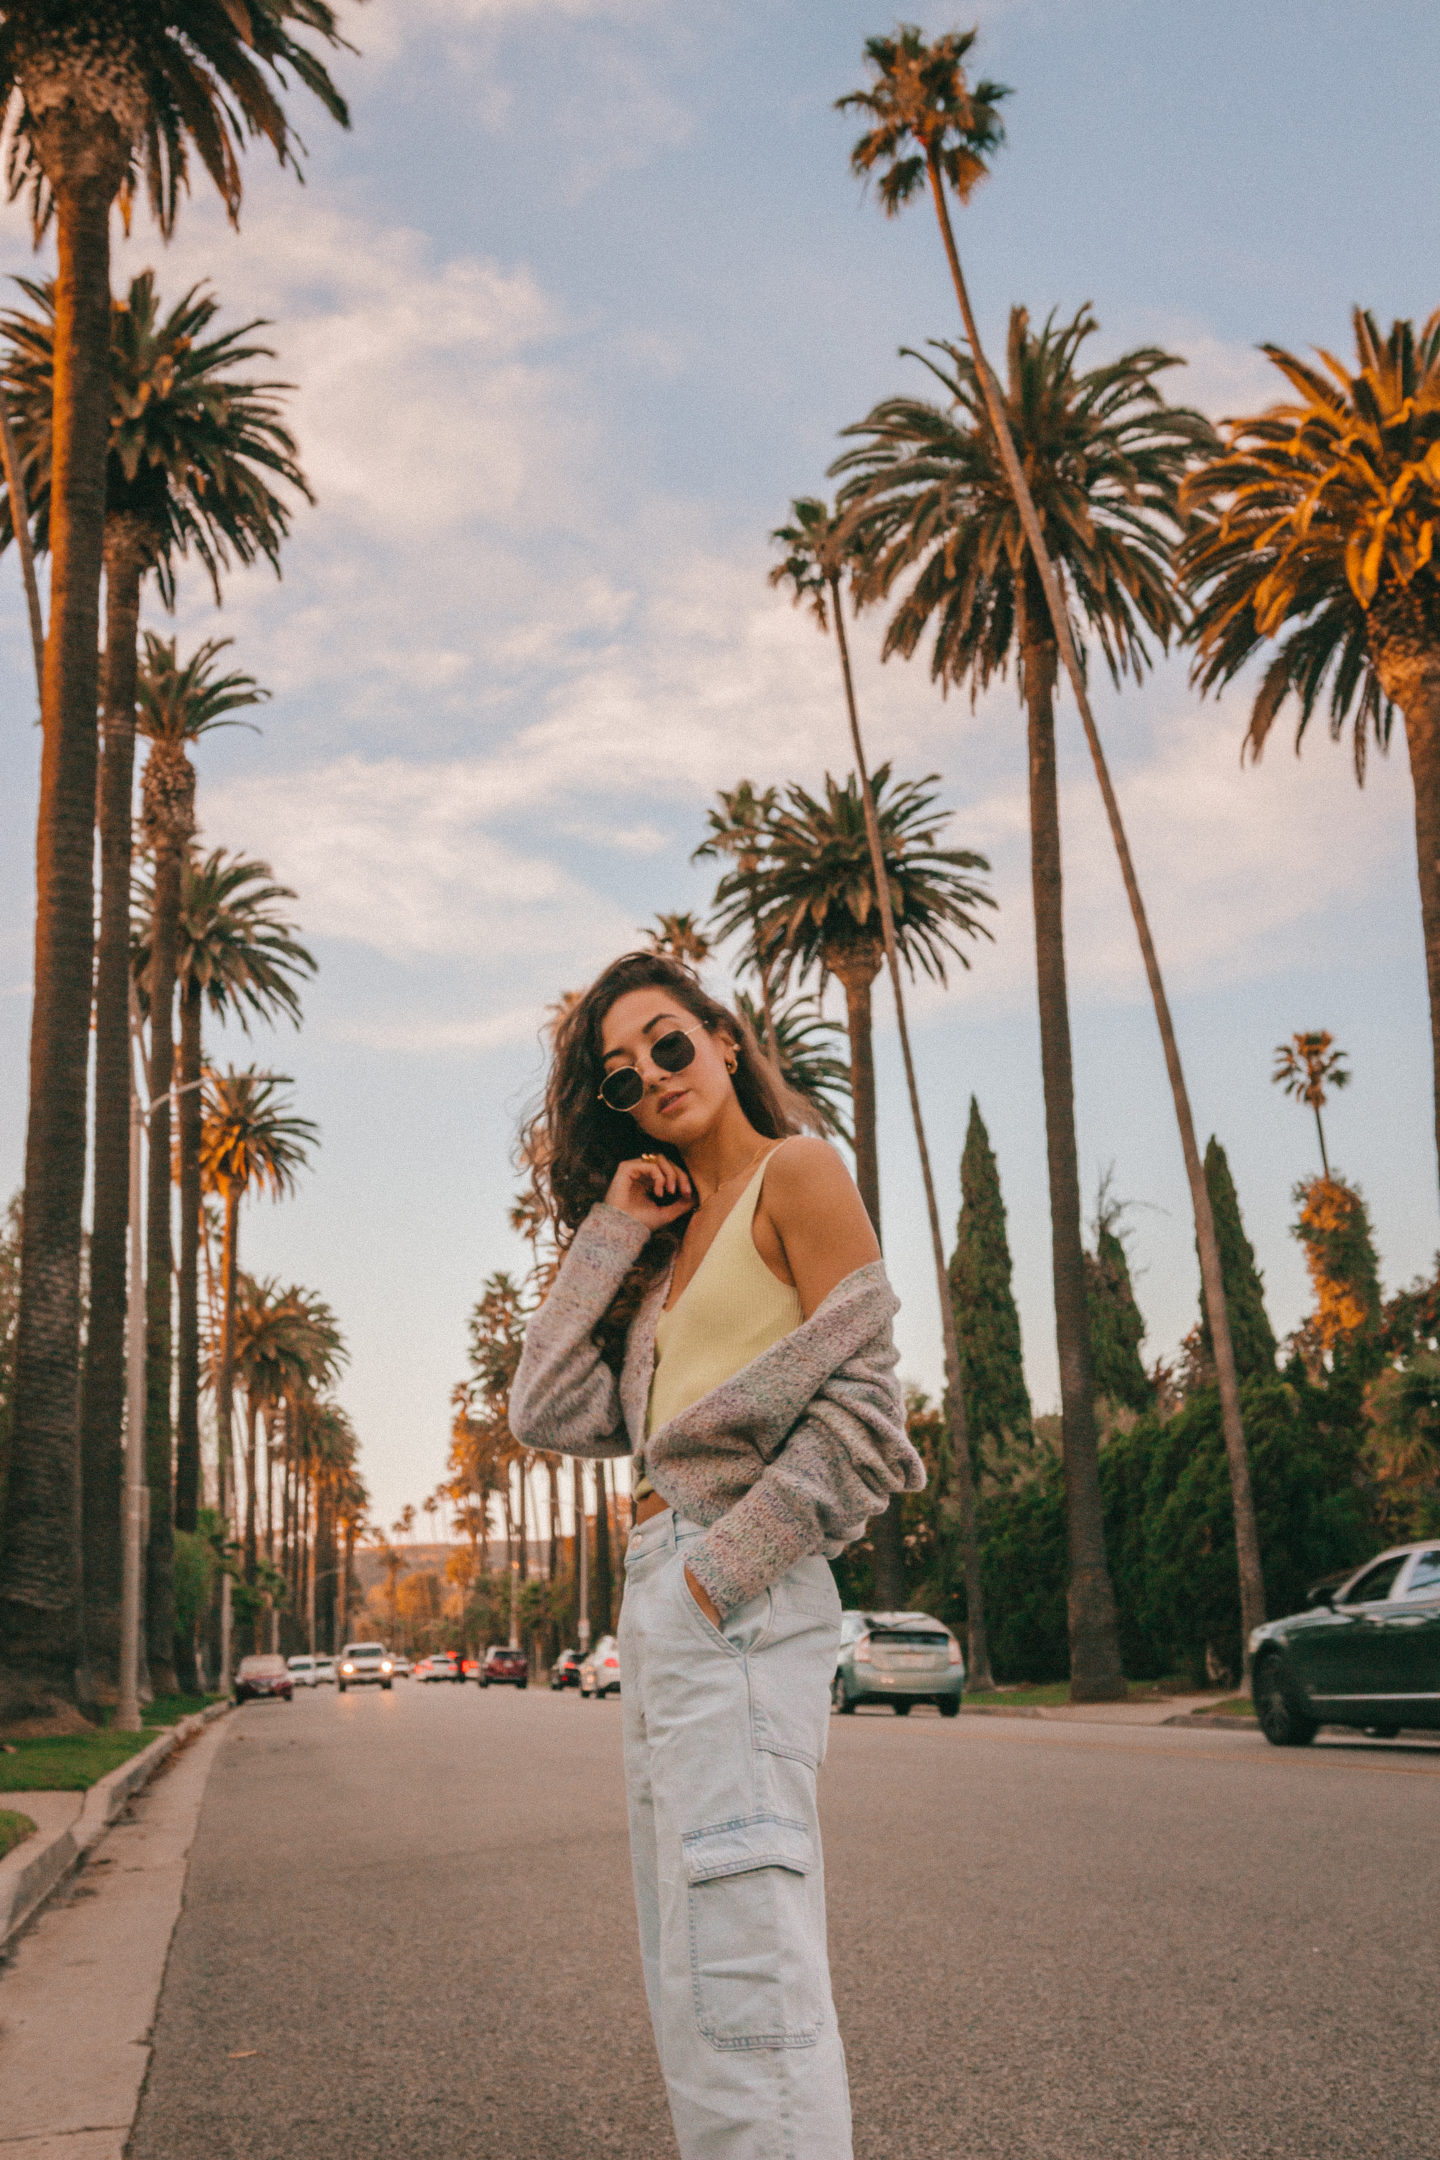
point(582, 1557)
point(127, 1710)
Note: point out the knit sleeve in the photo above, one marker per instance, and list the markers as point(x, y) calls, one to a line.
point(565, 1398)
point(846, 1456)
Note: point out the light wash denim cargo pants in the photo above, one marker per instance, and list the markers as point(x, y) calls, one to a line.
point(724, 1732)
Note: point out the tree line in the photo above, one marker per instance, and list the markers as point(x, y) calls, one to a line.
point(131, 444)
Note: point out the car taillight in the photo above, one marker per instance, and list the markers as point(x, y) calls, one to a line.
point(613, 1661)
point(864, 1655)
point(955, 1657)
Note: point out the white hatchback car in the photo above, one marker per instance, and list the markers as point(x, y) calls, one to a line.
point(305, 1672)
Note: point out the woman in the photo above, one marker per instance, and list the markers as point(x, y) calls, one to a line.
point(721, 1311)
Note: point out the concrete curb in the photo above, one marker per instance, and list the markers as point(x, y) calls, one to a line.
point(32, 1870)
point(1205, 1721)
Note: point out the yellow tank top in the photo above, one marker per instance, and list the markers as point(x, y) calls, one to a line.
point(730, 1311)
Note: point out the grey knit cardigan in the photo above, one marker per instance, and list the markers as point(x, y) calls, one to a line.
point(789, 1457)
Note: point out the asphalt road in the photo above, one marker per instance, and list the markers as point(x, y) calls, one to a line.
point(407, 1935)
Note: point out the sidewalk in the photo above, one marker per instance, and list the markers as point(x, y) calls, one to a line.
point(91, 1965)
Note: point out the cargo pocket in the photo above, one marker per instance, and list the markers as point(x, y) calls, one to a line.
point(755, 1952)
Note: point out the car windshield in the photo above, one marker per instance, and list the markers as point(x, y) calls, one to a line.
point(366, 1649)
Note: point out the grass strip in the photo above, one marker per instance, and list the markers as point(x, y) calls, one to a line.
point(1051, 1694)
point(1239, 1706)
point(13, 1829)
point(71, 1762)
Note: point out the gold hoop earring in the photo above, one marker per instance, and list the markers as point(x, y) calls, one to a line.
point(730, 1064)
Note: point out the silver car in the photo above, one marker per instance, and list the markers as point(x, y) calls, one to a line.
point(897, 1657)
point(600, 1669)
point(365, 1664)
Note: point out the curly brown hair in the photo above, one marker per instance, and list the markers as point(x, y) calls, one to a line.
point(574, 1143)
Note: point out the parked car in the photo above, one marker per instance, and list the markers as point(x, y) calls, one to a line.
point(1366, 1652)
point(258, 1677)
point(441, 1665)
point(304, 1671)
point(325, 1671)
point(365, 1664)
point(402, 1665)
point(565, 1672)
point(897, 1657)
point(504, 1667)
point(600, 1671)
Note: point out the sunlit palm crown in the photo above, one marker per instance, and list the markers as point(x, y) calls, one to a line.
point(250, 1141)
point(927, 499)
point(924, 109)
point(815, 890)
point(1321, 514)
point(735, 827)
point(235, 947)
point(159, 79)
point(192, 451)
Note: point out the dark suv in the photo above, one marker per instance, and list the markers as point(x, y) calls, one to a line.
point(504, 1667)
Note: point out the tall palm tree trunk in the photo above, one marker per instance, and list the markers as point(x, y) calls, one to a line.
point(225, 1374)
point(1095, 1674)
point(41, 1613)
point(1247, 1536)
point(855, 980)
point(189, 1116)
point(159, 1275)
point(887, 1538)
point(102, 1394)
point(978, 1645)
point(252, 1427)
point(1406, 661)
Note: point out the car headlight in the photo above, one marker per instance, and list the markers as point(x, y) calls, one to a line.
point(347, 1668)
point(386, 1666)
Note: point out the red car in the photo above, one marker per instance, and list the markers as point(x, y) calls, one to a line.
point(260, 1676)
point(504, 1667)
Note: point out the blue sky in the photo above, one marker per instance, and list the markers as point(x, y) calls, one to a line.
point(575, 310)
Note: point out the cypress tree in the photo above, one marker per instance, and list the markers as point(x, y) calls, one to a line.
point(997, 1402)
point(1250, 1329)
point(1117, 1326)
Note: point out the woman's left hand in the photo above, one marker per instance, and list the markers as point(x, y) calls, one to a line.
point(703, 1599)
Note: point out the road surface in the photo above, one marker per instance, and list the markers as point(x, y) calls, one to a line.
point(407, 1933)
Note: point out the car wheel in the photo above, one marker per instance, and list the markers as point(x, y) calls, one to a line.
point(1282, 1716)
point(949, 1707)
point(341, 1686)
point(522, 1685)
point(902, 1709)
point(387, 1685)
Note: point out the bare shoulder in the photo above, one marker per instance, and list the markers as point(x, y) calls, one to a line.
point(818, 1215)
point(805, 1172)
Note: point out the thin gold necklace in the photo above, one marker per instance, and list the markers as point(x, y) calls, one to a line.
point(734, 1174)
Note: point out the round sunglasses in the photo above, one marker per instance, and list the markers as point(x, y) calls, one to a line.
point(624, 1089)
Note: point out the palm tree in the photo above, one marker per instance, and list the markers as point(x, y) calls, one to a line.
point(1314, 526)
point(1305, 1067)
point(736, 829)
point(101, 96)
point(819, 554)
point(178, 703)
point(932, 130)
point(192, 455)
point(815, 890)
point(287, 1344)
point(801, 1042)
point(928, 501)
point(681, 936)
point(237, 954)
point(249, 1143)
